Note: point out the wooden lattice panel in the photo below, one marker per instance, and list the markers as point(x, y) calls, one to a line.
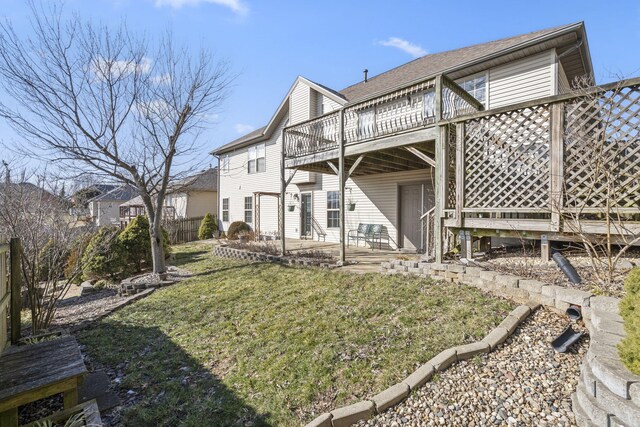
point(507, 160)
point(602, 150)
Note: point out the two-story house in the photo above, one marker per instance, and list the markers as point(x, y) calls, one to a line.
point(381, 133)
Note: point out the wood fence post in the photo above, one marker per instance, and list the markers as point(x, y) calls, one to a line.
point(556, 168)
point(16, 289)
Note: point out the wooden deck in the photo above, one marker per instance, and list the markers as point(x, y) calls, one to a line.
point(33, 372)
point(565, 167)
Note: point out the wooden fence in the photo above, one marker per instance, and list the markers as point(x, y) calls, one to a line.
point(183, 230)
point(10, 285)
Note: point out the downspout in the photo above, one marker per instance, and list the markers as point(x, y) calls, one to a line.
point(218, 212)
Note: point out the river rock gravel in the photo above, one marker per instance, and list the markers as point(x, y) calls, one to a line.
point(522, 383)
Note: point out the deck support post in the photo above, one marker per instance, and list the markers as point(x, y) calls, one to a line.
point(557, 163)
point(283, 189)
point(440, 174)
point(16, 289)
point(342, 175)
point(545, 248)
point(485, 244)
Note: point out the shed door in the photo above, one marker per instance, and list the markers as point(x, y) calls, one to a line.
point(410, 212)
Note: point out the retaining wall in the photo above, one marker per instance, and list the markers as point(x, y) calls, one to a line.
point(607, 394)
point(227, 252)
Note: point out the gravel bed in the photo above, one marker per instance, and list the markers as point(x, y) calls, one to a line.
point(522, 383)
point(173, 273)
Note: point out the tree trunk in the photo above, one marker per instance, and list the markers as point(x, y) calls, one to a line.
point(154, 214)
point(157, 249)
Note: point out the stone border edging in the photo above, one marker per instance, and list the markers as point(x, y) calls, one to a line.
point(608, 394)
point(227, 252)
point(88, 322)
point(348, 415)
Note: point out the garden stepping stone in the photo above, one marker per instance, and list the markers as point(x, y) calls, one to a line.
point(96, 386)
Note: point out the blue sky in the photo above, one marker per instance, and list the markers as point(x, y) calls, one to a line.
point(269, 43)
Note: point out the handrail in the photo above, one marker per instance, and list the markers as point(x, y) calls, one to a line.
point(317, 227)
point(553, 99)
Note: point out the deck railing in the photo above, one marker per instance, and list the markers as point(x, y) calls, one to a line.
point(409, 108)
point(568, 156)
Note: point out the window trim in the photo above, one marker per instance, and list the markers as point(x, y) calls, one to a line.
point(253, 152)
point(249, 210)
point(225, 161)
point(333, 209)
point(468, 78)
point(225, 210)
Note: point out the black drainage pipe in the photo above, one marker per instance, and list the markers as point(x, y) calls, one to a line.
point(574, 313)
point(566, 339)
point(567, 268)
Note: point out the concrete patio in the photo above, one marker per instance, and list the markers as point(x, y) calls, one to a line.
point(360, 259)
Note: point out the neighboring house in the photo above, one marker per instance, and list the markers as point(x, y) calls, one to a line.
point(105, 208)
point(191, 197)
point(80, 199)
point(387, 126)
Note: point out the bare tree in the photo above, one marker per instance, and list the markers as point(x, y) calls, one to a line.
point(91, 97)
point(48, 235)
point(599, 202)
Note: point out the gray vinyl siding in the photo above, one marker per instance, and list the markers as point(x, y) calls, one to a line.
point(324, 104)
point(563, 83)
point(376, 198)
point(523, 80)
point(238, 184)
point(300, 103)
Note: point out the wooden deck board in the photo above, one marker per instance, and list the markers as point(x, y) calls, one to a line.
point(27, 369)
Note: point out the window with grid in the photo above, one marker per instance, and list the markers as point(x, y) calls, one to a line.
point(256, 159)
point(248, 209)
point(225, 210)
point(476, 86)
point(333, 209)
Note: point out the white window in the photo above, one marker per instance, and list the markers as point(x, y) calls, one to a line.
point(225, 210)
point(333, 209)
point(248, 210)
point(224, 163)
point(476, 86)
point(366, 123)
point(256, 159)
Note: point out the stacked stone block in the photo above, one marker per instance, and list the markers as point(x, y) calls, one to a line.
point(607, 394)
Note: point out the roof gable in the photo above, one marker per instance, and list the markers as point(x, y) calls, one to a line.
point(266, 131)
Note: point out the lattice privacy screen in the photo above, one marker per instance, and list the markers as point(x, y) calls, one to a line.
point(507, 160)
point(602, 150)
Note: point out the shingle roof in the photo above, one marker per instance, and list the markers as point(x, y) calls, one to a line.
point(122, 193)
point(207, 180)
point(247, 137)
point(425, 66)
point(437, 63)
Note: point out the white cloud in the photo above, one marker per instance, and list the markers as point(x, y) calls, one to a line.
point(237, 6)
point(103, 67)
point(241, 128)
point(405, 46)
point(161, 79)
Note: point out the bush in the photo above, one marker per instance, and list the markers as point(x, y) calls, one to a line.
point(73, 267)
point(104, 256)
point(237, 227)
point(629, 348)
point(208, 226)
point(136, 242)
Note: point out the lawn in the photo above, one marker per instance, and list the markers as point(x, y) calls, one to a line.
point(261, 344)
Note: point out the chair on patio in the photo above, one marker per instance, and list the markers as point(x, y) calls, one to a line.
point(359, 233)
